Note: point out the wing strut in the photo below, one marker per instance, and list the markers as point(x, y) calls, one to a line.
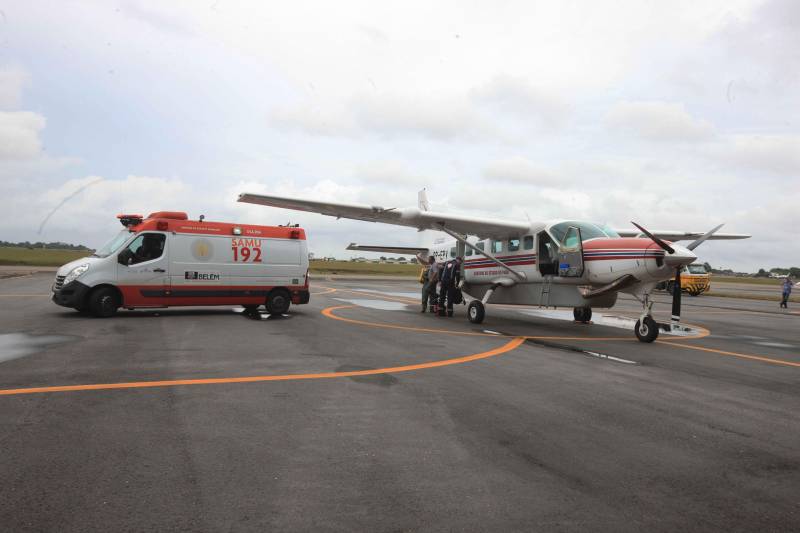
point(519, 275)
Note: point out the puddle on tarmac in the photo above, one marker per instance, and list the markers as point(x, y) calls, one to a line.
point(390, 293)
point(16, 345)
point(381, 305)
point(600, 320)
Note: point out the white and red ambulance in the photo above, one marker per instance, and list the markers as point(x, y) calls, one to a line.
point(167, 260)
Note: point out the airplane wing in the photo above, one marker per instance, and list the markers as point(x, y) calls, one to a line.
point(403, 250)
point(681, 235)
point(400, 216)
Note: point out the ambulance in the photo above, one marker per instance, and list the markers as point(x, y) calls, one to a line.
point(167, 260)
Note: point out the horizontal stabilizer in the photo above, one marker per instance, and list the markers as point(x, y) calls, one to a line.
point(402, 250)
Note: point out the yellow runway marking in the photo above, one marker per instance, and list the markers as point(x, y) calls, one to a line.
point(734, 354)
point(507, 347)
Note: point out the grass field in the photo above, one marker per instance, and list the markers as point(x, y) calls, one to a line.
point(373, 269)
point(38, 256)
point(752, 281)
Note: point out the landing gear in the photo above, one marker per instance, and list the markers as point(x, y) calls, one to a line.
point(646, 328)
point(476, 311)
point(582, 314)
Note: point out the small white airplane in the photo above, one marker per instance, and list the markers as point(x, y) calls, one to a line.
point(559, 263)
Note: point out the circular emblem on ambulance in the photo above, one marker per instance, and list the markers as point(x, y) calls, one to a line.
point(202, 249)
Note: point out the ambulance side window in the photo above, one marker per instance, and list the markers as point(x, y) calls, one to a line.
point(145, 247)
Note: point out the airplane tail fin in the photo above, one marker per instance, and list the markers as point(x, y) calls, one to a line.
point(422, 197)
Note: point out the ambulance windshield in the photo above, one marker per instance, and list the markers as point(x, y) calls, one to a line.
point(113, 245)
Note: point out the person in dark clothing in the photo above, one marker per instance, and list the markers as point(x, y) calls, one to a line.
point(787, 291)
point(450, 278)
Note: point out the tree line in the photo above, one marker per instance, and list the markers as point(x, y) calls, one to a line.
point(52, 245)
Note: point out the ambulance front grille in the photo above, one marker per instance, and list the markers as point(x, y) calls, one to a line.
point(59, 282)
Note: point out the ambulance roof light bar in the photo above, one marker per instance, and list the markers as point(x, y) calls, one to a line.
point(130, 220)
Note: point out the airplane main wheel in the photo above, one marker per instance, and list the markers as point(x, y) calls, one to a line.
point(476, 311)
point(582, 314)
point(647, 330)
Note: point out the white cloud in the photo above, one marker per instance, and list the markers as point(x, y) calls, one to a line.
point(520, 99)
point(658, 121)
point(519, 170)
point(12, 81)
point(388, 172)
point(19, 134)
point(772, 154)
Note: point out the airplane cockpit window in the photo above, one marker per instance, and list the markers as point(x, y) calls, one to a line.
point(588, 230)
point(513, 245)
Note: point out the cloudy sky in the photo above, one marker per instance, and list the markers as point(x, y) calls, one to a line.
point(678, 115)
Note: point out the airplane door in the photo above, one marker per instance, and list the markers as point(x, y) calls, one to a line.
point(143, 271)
point(570, 254)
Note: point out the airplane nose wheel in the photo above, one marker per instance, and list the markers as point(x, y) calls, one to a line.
point(646, 329)
point(476, 311)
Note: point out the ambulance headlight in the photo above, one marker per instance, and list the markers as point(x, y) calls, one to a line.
point(75, 273)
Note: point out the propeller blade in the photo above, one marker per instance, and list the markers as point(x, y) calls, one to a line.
point(676, 298)
point(664, 246)
point(702, 239)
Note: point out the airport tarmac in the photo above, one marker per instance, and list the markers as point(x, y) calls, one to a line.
point(358, 412)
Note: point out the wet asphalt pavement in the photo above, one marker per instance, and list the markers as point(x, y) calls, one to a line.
point(571, 428)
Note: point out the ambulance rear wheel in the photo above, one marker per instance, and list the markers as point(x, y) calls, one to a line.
point(646, 330)
point(476, 311)
point(103, 302)
point(278, 302)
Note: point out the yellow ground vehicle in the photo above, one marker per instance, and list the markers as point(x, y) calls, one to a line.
point(694, 280)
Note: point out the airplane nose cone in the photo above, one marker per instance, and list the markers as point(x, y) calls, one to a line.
point(682, 256)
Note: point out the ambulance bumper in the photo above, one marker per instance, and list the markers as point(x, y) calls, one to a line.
point(300, 297)
point(72, 294)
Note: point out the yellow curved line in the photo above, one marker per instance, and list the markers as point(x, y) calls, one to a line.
point(329, 312)
point(507, 347)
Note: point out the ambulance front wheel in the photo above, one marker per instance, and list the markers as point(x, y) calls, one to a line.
point(103, 302)
point(476, 311)
point(278, 302)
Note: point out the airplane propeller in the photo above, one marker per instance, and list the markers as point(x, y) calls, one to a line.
point(676, 286)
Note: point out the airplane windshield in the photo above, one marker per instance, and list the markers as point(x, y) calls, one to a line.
point(588, 230)
point(113, 245)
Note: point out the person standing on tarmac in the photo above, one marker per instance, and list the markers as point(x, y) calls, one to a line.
point(429, 278)
point(787, 291)
point(450, 276)
point(434, 271)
